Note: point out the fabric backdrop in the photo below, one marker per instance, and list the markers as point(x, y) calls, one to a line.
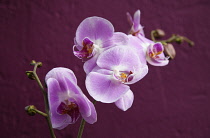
point(170, 102)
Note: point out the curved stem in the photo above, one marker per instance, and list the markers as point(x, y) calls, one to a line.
point(45, 99)
point(40, 112)
point(152, 35)
point(81, 128)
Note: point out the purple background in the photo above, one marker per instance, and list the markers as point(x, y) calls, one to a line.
point(170, 102)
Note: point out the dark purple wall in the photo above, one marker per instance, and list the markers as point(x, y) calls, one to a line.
point(170, 102)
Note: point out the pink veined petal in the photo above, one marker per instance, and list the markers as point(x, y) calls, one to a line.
point(145, 43)
point(137, 45)
point(103, 71)
point(104, 88)
point(122, 58)
point(97, 29)
point(136, 20)
point(126, 101)
point(118, 38)
point(60, 71)
point(53, 91)
point(58, 121)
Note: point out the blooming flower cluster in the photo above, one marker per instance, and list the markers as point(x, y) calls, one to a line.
point(113, 61)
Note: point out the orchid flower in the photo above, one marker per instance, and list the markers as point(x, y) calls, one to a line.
point(136, 28)
point(94, 35)
point(120, 66)
point(153, 52)
point(66, 100)
point(155, 55)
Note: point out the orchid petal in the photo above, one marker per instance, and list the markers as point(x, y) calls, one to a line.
point(60, 71)
point(58, 121)
point(137, 44)
point(138, 74)
point(104, 88)
point(121, 58)
point(97, 29)
point(83, 104)
point(162, 62)
point(129, 18)
point(92, 118)
point(136, 20)
point(126, 101)
point(90, 64)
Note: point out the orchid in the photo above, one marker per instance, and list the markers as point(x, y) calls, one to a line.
point(113, 61)
point(153, 52)
point(93, 36)
point(120, 66)
point(155, 55)
point(136, 28)
point(66, 100)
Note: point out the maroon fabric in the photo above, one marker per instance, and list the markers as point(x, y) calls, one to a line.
point(170, 102)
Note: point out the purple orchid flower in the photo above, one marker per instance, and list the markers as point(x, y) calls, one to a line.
point(136, 28)
point(94, 35)
point(155, 55)
point(66, 100)
point(153, 52)
point(120, 66)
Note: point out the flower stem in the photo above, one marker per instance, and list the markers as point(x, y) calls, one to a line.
point(174, 38)
point(81, 128)
point(45, 99)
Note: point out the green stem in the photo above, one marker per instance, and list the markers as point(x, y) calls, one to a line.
point(152, 35)
point(40, 112)
point(45, 99)
point(171, 39)
point(81, 128)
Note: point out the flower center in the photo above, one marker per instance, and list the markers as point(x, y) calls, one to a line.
point(87, 49)
point(123, 76)
point(70, 108)
point(155, 50)
point(155, 54)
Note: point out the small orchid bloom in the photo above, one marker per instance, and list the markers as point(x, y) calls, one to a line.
point(94, 35)
point(155, 55)
point(148, 50)
point(136, 28)
point(66, 100)
point(120, 66)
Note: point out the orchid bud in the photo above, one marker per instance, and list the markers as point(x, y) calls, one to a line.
point(39, 64)
point(169, 51)
point(30, 110)
point(30, 75)
point(33, 62)
point(159, 33)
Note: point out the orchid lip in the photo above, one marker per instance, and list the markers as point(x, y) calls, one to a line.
point(70, 108)
point(87, 49)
